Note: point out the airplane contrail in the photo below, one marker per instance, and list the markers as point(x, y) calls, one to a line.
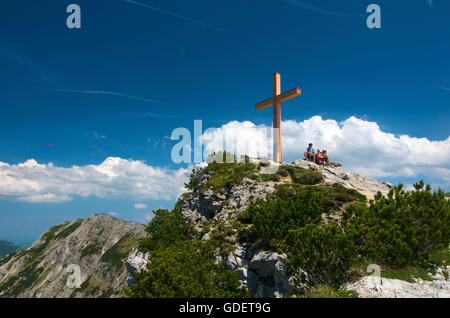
point(36, 68)
point(103, 93)
point(175, 15)
point(311, 7)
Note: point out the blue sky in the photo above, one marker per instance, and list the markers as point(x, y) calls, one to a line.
point(135, 71)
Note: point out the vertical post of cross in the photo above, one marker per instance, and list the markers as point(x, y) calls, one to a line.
point(276, 118)
point(275, 101)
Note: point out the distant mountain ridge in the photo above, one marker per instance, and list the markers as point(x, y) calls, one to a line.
point(98, 246)
point(7, 247)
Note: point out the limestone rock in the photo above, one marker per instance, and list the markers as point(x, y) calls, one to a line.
point(236, 258)
point(376, 287)
point(136, 262)
point(267, 276)
point(201, 206)
point(263, 263)
point(367, 186)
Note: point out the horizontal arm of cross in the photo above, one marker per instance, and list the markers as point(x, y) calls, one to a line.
point(279, 98)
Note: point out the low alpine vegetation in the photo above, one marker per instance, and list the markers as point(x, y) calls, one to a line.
point(398, 232)
point(328, 232)
point(403, 232)
point(181, 264)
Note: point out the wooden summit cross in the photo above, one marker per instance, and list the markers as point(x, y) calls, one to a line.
point(276, 101)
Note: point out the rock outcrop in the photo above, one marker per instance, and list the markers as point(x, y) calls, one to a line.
point(378, 287)
point(202, 206)
point(95, 248)
point(365, 185)
point(136, 262)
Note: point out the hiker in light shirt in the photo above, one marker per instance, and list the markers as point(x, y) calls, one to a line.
point(309, 153)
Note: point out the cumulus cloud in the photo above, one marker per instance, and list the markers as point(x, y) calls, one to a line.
point(358, 144)
point(140, 206)
point(114, 178)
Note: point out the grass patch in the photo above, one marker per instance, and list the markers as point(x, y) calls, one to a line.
point(226, 175)
point(23, 281)
point(89, 250)
point(407, 273)
point(440, 257)
point(8, 257)
point(107, 293)
point(87, 288)
point(325, 291)
point(69, 230)
point(297, 174)
point(303, 176)
point(119, 251)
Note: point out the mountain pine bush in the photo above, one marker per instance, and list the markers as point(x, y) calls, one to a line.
point(274, 217)
point(402, 228)
point(397, 231)
point(324, 252)
point(181, 265)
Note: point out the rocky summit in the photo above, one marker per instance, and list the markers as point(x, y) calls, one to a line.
point(264, 272)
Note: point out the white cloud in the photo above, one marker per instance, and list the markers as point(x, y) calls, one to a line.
point(113, 213)
point(98, 136)
point(360, 145)
point(140, 206)
point(114, 178)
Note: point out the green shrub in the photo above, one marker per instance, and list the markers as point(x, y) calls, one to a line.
point(332, 198)
point(297, 174)
point(117, 254)
point(325, 253)
point(194, 180)
point(303, 176)
point(402, 228)
point(440, 256)
point(181, 264)
point(167, 228)
point(186, 270)
point(274, 217)
point(226, 175)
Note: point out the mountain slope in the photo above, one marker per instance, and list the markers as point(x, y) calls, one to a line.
point(98, 245)
point(8, 247)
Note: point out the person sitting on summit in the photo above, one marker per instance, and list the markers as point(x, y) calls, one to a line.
point(309, 153)
point(318, 157)
point(325, 158)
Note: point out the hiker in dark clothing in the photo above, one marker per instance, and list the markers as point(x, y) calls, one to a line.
point(318, 157)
